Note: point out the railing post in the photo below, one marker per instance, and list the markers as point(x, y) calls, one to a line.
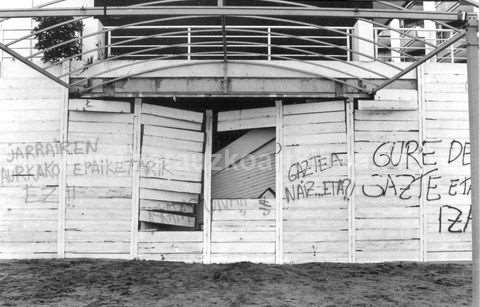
point(269, 43)
point(189, 43)
point(349, 44)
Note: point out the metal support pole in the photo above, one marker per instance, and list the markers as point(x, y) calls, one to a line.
point(474, 116)
point(33, 65)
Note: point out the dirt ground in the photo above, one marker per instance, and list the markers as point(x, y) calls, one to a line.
point(145, 283)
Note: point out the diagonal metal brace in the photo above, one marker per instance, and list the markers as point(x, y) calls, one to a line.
point(414, 65)
point(33, 65)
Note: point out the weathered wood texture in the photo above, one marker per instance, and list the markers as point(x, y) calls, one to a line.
point(183, 246)
point(386, 218)
point(30, 153)
point(171, 166)
point(246, 119)
point(315, 212)
point(448, 207)
point(99, 182)
point(243, 230)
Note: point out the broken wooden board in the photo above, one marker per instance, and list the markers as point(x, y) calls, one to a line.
point(166, 218)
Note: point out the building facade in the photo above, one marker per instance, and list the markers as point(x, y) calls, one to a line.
point(224, 139)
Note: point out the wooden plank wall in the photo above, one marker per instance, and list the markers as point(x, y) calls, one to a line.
point(448, 207)
point(315, 213)
point(243, 230)
point(387, 215)
point(172, 166)
point(186, 246)
point(246, 119)
point(30, 128)
point(99, 181)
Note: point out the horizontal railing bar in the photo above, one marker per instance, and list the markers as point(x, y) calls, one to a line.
point(231, 27)
point(111, 11)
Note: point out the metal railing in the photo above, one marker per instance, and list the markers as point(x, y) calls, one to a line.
point(235, 42)
point(404, 40)
point(25, 47)
point(254, 42)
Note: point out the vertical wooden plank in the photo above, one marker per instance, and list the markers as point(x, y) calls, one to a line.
point(62, 177)
point(279, 182)
point(207, 188)
point(351, 174)
point(135, 177)
point(421, 127)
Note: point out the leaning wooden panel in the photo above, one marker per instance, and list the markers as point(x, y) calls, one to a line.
point(174, 133)
point(169, 122)
point(175, 113)
point(171, 185)
point(166, 218)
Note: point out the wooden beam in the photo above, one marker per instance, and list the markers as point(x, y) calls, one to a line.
point(421, 137)
point(207, 188)
point(135, 177)
point(279, 183)
point(351, 175)
point(62, 177)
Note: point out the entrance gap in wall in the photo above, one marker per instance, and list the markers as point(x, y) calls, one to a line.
point(173, 135)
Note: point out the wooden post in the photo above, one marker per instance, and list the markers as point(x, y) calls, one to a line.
point(363, 29)
point(351, 175)
point(207, 188)
point(474, 116)
point(137, 123)
point(279, 182)
point(62, 176)
point(421, 137)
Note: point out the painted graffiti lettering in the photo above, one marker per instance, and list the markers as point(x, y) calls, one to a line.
point(457, 219)
point(50, 149)
point(400, 154)
point(391, 186)
point(460, 186)
point(327, 188)
point(460, 152)
point(314, 165)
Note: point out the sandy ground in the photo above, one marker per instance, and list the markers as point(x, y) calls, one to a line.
point(144, 283)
